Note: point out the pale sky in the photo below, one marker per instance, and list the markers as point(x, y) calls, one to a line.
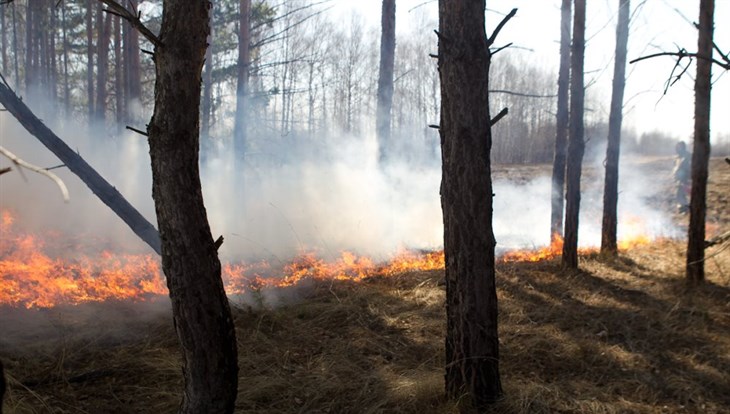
point(656, 27)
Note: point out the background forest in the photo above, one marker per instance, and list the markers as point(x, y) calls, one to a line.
point(310, 81)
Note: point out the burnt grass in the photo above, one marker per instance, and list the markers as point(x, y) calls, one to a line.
point(619, 336)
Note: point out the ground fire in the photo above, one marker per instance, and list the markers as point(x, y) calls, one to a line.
point(32, 277)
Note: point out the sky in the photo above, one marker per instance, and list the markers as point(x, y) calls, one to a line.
point(657, 26)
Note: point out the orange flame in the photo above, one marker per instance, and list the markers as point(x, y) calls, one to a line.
point(33, 279)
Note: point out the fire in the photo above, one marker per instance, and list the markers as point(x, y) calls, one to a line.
point(32, 278)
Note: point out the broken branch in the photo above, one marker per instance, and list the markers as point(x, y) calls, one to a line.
point(501, 24)
point(499, 116)
point(133, 18)
point(24, 164)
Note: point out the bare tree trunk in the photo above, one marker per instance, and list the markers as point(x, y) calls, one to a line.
point(73, 161)
point(385, 80)
point(29, 45)
point(244, 61)
point(4, 37)
point(90, 58)
point(118, 89)
point(701, 148)
point(102, 64)
point(610, 191)
point(562, 119)
point(472, 344)
point(207, 85)
point(576, 142)
point(16, 54)
point(133, 73)
point(52, 53)
point(190, 261)
point(66, 86)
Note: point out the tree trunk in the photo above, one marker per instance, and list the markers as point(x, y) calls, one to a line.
point(576, 143)
point(244, 60)
point(90, 58)
point(66, 86)
point(133, 73)
point(73, 161)
point(562, 119)
point(118, 63)
point(701, 148)
point(190, 261)
point(29, 46)
point(207, 84)
point(472, 345)
point(385, 80)
point(16, 54)
point(4, 37)
point(610, 190)
point(102, 64)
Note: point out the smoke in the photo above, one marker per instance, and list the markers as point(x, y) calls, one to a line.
point(301, 193)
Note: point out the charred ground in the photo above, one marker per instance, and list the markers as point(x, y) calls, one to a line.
point(619, 336)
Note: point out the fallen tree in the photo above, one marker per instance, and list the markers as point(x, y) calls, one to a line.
point(77, 165)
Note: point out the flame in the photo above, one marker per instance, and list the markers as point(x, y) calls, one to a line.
point(31, 278)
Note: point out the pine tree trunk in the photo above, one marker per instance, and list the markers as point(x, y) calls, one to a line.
point(190, 261)
point(66, 86)
point(576, 142)
point(701, 148)
point(244, 61)
point(472, 345)
point(133, 70)
point(90, 58)
point(118, 76)
point(385, 80)
point(4, 38)
point(102, 63)
point(562, 119)
point(29, 46)
point(16, 53)
point(207, 84)
point(609, 245)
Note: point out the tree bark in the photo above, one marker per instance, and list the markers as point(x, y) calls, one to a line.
point(244, 60)
point(576, 142)
point(133, 70)
point(385, 80)
point(190, 261)
point(472, 345)
point(98, 185)
point(701, 148)
point(562, 119)
point(207, 83)
point(609, 245)
point(90, 58)
point(16, 54)
point(118, 77)
point(66, 86)
point(102, 64)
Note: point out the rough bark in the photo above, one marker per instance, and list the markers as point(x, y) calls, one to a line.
point(609, 245)
point(472, 345)
point(576, 142)
point(73, 161)
point(701, 148)
point(562, 119)
point(190, 261)
point(385, 80)
point(244, 60)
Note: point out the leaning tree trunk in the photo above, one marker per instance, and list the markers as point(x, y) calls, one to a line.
point(472, 345)
point(610, 190)
point(385, 80)
point(561, 122)
point(190, 261)
point(576, 144)
point(701, 149)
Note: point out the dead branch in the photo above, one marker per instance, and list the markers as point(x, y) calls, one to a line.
point(24, 164)
point(499, 116)
point(133, 18)
point(683, 54)
point(501, 24)
point(5, 170)
point(524, 95)
point(718, 240)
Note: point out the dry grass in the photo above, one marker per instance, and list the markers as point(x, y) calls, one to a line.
point(620, 336)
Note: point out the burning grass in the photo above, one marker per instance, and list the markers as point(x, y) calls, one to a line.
point(619, 336)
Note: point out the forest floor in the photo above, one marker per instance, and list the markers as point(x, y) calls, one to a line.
point(619, 336)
